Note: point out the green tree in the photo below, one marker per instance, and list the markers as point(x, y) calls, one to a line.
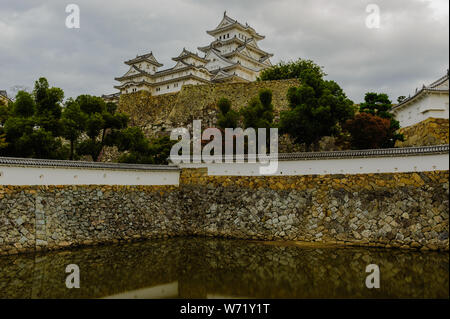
point(41, 144)
point(73, 122)
point(380, 105)
point(259, 111)
point(48, 106)
point(227, 117)
point(25, 139)
point(100, 120)
point(3, 143)
point(30, 131)
point(90, 124)
point(291, 70)
point(401, 98)
point(35, 125)
point(140, 150)
point(24, 105)
point(4, 112)
point(317, 108)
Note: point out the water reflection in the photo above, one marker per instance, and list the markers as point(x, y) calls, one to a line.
point(214, 268)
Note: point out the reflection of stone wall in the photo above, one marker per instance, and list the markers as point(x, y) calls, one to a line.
point(398, 210)
point(432, 131)
point(211, 267)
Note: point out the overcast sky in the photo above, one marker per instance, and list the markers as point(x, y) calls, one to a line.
point(410, 47)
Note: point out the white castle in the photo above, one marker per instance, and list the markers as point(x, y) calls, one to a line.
point(233, 56)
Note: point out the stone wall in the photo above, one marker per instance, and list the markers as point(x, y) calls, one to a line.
point(156, 114)
point(407, 210)
point(432, 131)
point(391, 210)
point(47, 217)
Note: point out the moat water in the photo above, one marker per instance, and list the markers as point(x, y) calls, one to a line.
point(215, 268)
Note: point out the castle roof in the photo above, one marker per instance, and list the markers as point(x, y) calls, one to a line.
point(220, 56)
point(246, 45)
point(145, 57)
point(144, 82)
point(140, 72)
point(249, 44)
point(245, 56)
point(221, 75)
point(228, 23)
point(186, 54)
point(441, 85)
point(220, 42)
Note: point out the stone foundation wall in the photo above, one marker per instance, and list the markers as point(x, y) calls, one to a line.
point(390, 210)
point(48, 217)
point(407, 210)
point(432, 131)
point(156, 114)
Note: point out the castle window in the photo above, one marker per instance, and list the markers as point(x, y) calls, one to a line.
point(167, 87)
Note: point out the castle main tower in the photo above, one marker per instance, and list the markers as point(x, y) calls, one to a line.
point(233, 56)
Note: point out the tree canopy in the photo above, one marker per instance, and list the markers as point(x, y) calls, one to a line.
point(317, 108)
point(259, 111)
point(380, 105)
point(41, 125)
point(368, 131)
point(227, 117)
point(31, 124)
point(291, 70)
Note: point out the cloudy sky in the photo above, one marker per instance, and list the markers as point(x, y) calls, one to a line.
point(409, 48)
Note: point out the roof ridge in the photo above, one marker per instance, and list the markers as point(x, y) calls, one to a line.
point(438, 81)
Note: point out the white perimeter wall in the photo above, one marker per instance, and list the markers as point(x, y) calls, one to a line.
point(14, 175)
point(335, 166)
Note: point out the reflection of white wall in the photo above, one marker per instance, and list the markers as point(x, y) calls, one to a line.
point(336, 166)
point(156, 292)
point(13, 175)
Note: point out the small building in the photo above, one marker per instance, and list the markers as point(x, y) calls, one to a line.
point(114, 98)
point(4, 97)
point(233, 56)
point(431, 101)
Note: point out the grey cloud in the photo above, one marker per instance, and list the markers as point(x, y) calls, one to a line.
point(409, 49)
